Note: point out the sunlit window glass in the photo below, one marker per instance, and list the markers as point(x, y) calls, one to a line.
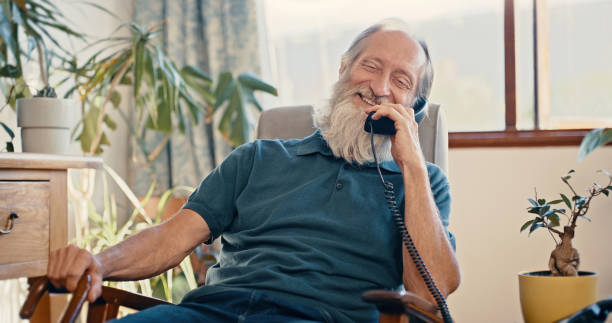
point(305, 40)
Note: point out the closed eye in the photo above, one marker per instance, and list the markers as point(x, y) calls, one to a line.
point(369, 67)
point(403, 84)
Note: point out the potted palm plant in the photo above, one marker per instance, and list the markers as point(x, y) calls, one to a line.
point(166, 97)
point(45, 120)
point(550, 295)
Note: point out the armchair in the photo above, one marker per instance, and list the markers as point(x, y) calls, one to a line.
point(283, 123)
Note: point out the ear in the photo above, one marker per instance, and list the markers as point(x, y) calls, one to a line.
point(342, 68)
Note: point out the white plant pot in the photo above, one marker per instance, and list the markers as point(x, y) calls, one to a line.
point(45, 124)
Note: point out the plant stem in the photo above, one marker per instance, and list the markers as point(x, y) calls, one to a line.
point(550, 230)
point(41, 63)
point(569, 185)
point(553, 230)
point(155, 153)
point(114, 83)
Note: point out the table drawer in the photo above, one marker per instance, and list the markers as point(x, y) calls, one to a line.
point(28, 242)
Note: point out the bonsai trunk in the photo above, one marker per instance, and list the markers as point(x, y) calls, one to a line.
point(564, 260)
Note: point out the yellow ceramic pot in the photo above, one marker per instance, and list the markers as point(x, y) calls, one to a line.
point(546, 298)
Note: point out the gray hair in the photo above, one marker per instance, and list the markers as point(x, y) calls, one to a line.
point(426, 78)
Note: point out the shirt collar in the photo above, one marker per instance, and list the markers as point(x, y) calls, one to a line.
point(315, 143)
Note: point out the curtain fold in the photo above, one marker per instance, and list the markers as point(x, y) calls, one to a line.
point(216, 36)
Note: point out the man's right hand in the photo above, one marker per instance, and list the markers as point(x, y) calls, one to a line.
point(67, 265)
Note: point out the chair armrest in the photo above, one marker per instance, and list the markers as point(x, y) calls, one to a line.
point(38, 287)
point(392, 302)
point(128, 299)
point(109, 295)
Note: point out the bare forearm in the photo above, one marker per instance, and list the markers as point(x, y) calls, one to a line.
point(140, 256)
point(154, 250)
point(423, 223)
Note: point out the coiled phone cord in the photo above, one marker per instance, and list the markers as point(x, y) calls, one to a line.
point(407, 239)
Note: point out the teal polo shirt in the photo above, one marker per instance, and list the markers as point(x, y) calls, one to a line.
point(302, 225)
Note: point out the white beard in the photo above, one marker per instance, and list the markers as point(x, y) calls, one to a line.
point(341, 124)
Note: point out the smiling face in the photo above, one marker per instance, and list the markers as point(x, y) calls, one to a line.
point(387, 70)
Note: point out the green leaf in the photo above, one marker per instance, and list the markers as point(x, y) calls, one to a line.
point(164, 120)
point(566, 200)
point(181, 119)
point(526, 224)
point(10, 71)
point(115, 98)
point(533, 202)
point(541, 201)
point(88, 131)
point(7, 130)
point(606, 192)
point(127, 191)
point(534, 226)
point(110, 122)
point(9, 147)
point(534, 209)
point(592, 140)
point(225, 87)
point(253, 83)
point(549, 213)
point(150, 70)
point(139, 66)
point(555, 202)
point(544, 209)
point(554, 220)
point(190, 71)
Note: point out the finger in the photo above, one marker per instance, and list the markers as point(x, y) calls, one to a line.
point(96, 287)
point(52, 268)
point(58, 267)
point(387, 111)
point(80, 262)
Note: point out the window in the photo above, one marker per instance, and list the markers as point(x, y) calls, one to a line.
point(580, 66)
point(508, 72)
point(307, 38)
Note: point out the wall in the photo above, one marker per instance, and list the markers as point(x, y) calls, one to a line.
point(490, 188)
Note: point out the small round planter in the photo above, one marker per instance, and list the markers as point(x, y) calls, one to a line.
point(546, 298)
point(45, 124)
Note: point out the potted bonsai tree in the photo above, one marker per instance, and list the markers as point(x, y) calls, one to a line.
point(551, 295)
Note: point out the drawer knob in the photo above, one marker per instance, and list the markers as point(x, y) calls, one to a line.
point(11, 223)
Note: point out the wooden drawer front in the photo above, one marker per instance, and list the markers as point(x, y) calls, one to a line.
point(29, 240)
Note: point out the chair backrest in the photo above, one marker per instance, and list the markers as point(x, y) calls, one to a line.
point(296, 122)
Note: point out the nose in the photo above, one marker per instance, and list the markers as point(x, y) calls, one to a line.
point(380, 86)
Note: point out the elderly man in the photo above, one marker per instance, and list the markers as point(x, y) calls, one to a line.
point(303, 223)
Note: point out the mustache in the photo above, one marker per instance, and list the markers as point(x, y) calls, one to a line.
point(367, 93)
point(364, 91)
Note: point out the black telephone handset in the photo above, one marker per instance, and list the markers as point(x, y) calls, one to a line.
point(385, 126)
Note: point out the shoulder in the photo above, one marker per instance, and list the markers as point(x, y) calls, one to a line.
point(437, 178)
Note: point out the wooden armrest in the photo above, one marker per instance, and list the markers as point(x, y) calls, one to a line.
point(38, 286)
point(113, 296)
point(124, 298)
point(393, 302)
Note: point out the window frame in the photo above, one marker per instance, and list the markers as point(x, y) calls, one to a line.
point(510, 136)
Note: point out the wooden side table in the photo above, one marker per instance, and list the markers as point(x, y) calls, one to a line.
point(34, 212)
